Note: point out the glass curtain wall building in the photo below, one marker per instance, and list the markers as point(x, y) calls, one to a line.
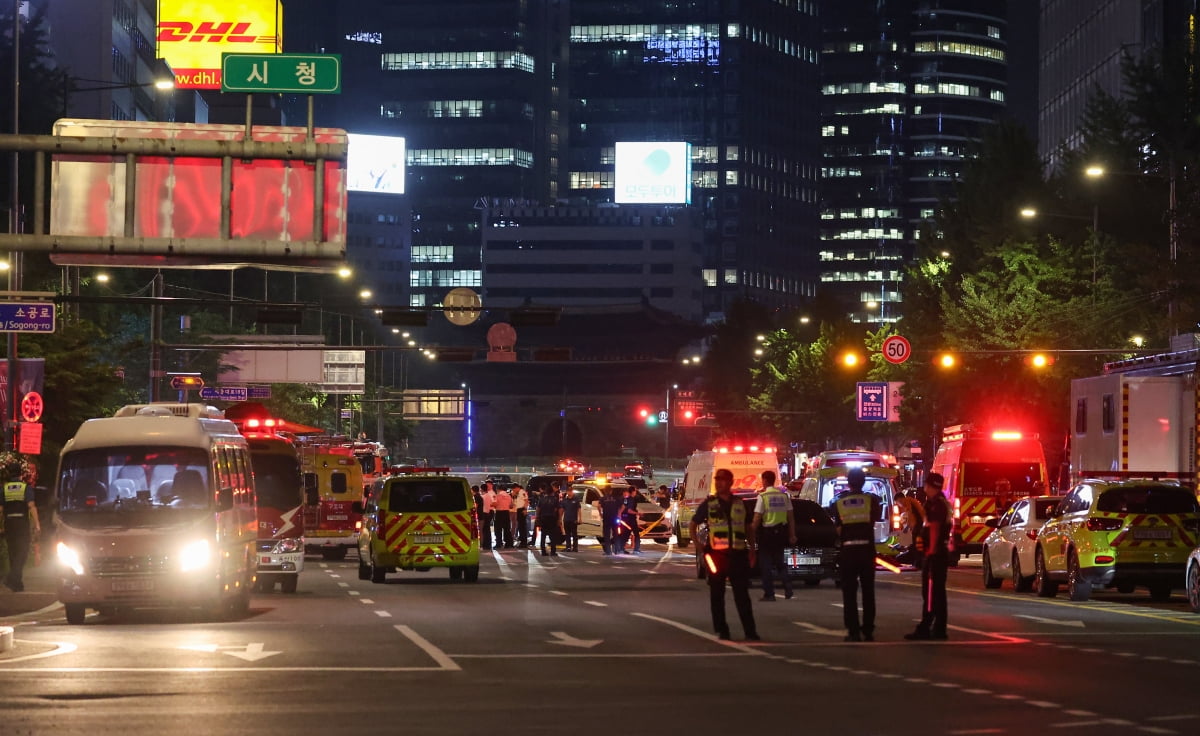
point(908, 89)
point(738, 81)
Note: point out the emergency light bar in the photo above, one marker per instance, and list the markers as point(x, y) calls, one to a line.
point(1005, 436)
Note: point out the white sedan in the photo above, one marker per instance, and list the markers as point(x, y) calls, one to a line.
point(1008, 551)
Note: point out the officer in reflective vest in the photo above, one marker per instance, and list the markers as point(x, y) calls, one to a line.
point(775, 528)
point(728, 554)
point(20, 525)
point(855, 514)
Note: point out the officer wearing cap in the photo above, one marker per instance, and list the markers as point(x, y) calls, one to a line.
point(855, 513)
point(935, 540)
point(21, 523)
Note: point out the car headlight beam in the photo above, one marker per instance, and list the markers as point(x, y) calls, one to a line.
point(195, 556)
point(69, 558)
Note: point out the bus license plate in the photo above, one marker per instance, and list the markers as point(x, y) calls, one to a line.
point(132, 586)
point(427, 538)
point(336, 517)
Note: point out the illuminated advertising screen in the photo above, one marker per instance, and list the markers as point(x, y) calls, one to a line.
point(192, 35)
point(375, 163)
point(653, 173)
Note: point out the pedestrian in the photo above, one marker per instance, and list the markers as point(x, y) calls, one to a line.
point(774, 528)
point(610, 518)
point(912, 519)
point(630, 521)
point(520, 522)
point(728, 554)
point(486, 515)
point(663, 497)
point(854, 515)
point(935, 544)
point(502, 506)
point(21, 524)
point(549, 520)
point(571, 508)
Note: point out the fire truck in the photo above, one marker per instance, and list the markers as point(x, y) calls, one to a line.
point(281, 501)
point(333, 482)
point(1137, 420)
point(373, 458)
point(985, 471)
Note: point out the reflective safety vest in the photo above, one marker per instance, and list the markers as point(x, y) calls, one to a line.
point(722, 528)
point(14, 498)
point(854, 513)
point(776, 505)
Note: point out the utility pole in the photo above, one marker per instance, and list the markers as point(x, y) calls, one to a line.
point(15, 258)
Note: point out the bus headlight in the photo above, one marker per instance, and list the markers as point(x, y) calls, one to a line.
point(68, 557)
point(195, 556)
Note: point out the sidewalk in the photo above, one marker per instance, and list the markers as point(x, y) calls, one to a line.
point(41, 590)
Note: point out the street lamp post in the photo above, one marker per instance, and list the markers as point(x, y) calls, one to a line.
point(1030, 212)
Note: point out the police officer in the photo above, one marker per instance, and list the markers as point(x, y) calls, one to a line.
point(855, 514)
point(728, 554)
point(936, 541)
point(21, 523)
point(610, 506)
point(775, 528)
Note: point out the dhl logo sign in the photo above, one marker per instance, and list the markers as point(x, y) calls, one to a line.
point(213, 32)
point(192, 35)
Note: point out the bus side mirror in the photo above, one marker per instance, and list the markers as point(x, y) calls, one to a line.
point(224, 499)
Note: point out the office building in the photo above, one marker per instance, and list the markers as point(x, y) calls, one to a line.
point(908, 89)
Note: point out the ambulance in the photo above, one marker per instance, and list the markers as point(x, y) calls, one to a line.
point(746, 461)
point(985, 471)
point(333, 483)
point(829, 481)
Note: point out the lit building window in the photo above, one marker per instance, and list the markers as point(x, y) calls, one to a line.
point(470, 157)
point(955, 47)
point(710, 276)
point(731, 276)
point(450, 60)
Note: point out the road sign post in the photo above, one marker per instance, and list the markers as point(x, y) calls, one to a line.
point(872, 402)
point(225, 393)
point(27, 317)
point(286, 73)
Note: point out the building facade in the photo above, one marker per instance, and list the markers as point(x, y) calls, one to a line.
point(908, 88)
point(738, 81)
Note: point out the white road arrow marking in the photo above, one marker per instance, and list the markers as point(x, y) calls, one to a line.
point(210, 648)
point(1052, 621)
point(252, 653)
point(565, 639)
point(819, 630)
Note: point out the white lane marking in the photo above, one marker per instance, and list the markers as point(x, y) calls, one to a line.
point(977, 691)
point(814, 629)
point(188, 670)
point(1009, 696)
point(593, 655)
point(530, 585)
point(969, 731)
point(383, 614)
point(334, 576)
point(353, 592)
point(1181, 717)
point(1155, 729)
point(367, 601)
point(1080, 713)
point(343, 585)
point(323, 564)
point(943, 684)
point(559, 592)
point(566, 640)
point(1044, 704)
point(444, 661)
point(1077, 724)
point(60, 647)
point(992, 635)
point(1052, 621)
point(701, 634)
point(598, 604)
point(252, 652)
point(593, 562)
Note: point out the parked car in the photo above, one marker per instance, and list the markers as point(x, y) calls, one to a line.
point(1008, 550)
point(499, 481)
point(813, 559)
point(1117, 535)
point(1193, 580)
point(654, 523)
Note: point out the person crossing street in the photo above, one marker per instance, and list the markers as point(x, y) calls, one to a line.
point(855, 513)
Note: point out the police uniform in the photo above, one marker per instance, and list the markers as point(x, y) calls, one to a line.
point(18, 497)
point(774, 506)
point(727, 557)
point(855, 514)
point(935, 564)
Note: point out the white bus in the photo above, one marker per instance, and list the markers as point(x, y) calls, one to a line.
point(156, 507)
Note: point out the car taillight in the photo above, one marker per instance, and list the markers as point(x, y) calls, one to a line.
point(1104, 559)
point(1102, 524)
point(1032, 534)
point(957, 509)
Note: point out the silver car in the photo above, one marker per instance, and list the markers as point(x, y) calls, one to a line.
point(1008, 552)
point(1193, 579)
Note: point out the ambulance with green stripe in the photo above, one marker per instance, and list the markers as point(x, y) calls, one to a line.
point(823, 487)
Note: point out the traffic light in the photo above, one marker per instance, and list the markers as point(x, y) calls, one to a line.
point(1039, 360)
point(647, 416)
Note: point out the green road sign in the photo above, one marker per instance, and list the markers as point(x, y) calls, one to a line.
point(303, 73)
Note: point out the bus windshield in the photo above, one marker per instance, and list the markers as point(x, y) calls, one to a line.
point(277, 480)
point(133, 486)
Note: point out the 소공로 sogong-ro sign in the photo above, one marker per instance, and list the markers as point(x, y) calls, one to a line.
point(26, 317)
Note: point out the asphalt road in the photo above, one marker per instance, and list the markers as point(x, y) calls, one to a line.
point(587, 644)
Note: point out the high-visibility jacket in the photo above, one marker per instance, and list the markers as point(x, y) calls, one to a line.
point(14, 499)
point(722, 529)
point(854, 514)
point(776, 505)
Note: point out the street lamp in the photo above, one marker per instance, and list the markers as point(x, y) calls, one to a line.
point(1030, 213)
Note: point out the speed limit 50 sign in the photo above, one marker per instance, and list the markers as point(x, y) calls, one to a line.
point(896, 349)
